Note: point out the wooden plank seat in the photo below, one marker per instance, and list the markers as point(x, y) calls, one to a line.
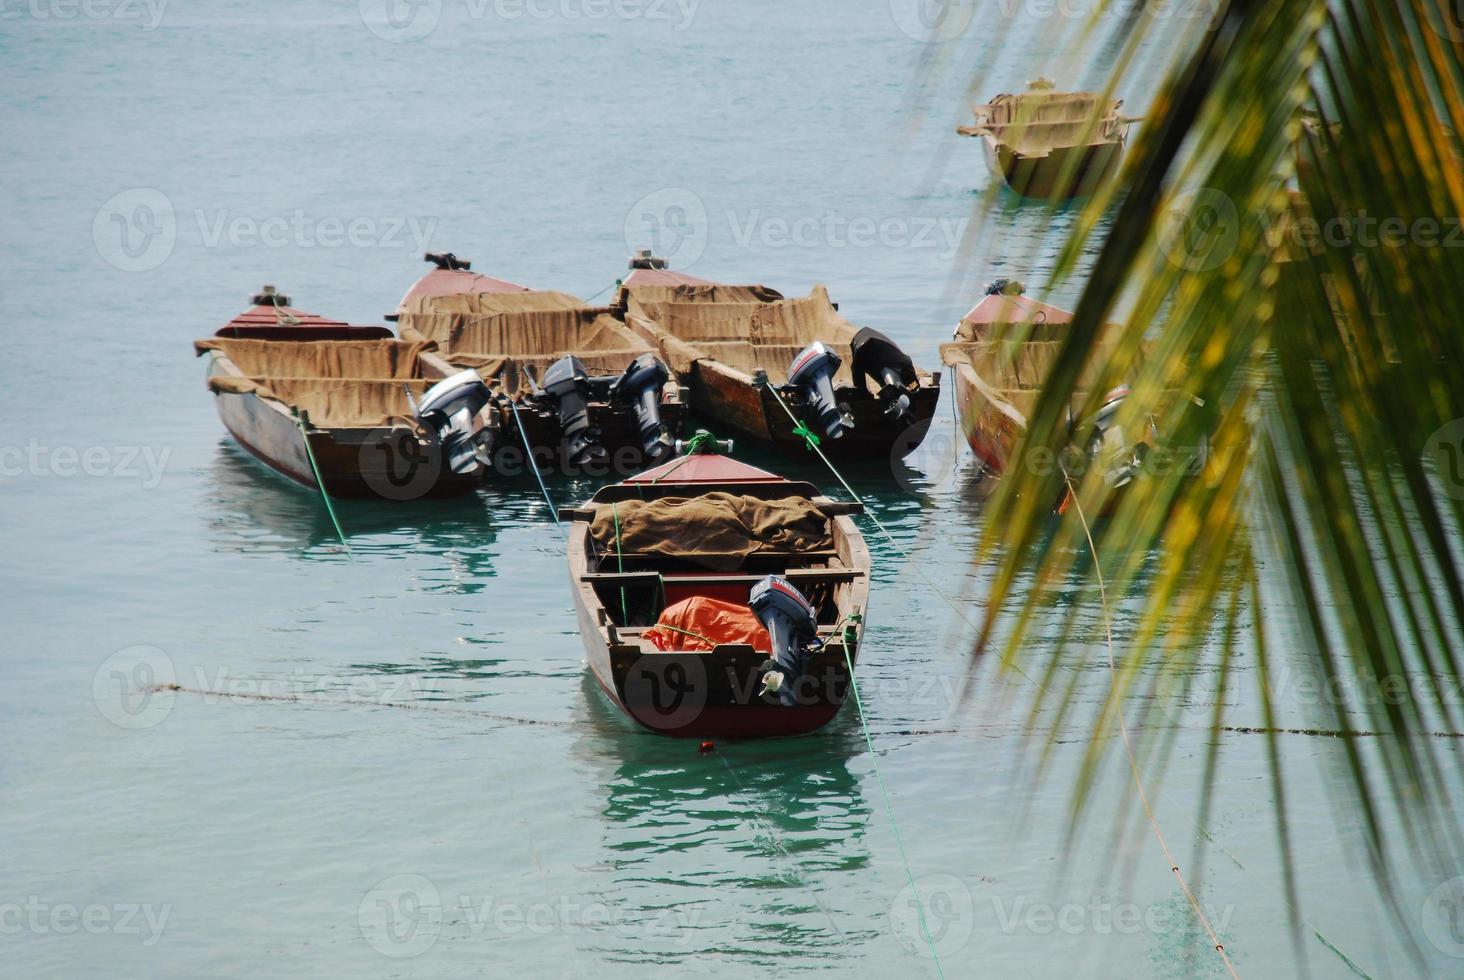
point(794, 575)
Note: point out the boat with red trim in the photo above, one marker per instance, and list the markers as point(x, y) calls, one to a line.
point(718, 599)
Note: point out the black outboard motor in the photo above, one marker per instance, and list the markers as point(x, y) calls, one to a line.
point(877, 356)
point(645, 259)
point(446, 260)
point(793, 626)
point(452, 410)
point(812, 374)
point(640, 388)
point(568, 384)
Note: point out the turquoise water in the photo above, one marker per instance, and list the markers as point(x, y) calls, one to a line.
point(406, 770)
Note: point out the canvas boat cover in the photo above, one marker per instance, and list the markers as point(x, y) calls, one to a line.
point(716, 531)
point(744, 327)
point(701, 623)
point(340, 383)
point(499, 334)
point(1034, 123)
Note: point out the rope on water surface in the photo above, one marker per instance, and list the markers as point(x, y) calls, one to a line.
point(1128, 745)
point(890, 809)
point(320, 484)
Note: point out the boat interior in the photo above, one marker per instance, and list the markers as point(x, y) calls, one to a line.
point(640, 571)
point(1034, 122)
point(339, 383)
point(747, 328)
point(502, 334)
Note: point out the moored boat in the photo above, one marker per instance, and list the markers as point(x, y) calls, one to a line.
point(1003, 350)
point(305, 394)
point(718, 599)
point(1047, 144)
point(587, 393)
point(731, 345)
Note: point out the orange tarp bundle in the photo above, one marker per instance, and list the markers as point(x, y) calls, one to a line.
point(700, 623)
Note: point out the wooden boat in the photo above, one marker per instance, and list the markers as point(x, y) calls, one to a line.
point(727, 344)
point(1047, 144)
point(275, 369)
point(588, 393)
point(705, 532)
point(1002, 352)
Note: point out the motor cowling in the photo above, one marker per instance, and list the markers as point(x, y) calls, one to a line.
point(877, 357)
point(792, 625)
point(452, 410)
point(567, 384)
point(640, 388)
point(812, 375)
point(1120, 458)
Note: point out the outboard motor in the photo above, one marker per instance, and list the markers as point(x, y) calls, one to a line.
point(640, 388)
point(452, 410)
point(568, 384)
point(645, 259)
point(877, 356)
point(792, 625)
point(812, 374)
point(1124, 458)
point(448, 261)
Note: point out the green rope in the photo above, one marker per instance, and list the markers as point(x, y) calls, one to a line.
point(320, 484)
point(890, 809)
point(700, 444)
point(612, 285)
point(807, 434)
point(534, 463)
point(619, 560)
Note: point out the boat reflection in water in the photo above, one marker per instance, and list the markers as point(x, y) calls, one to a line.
point(743, 854)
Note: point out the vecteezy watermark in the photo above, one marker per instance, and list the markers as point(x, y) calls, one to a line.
point(402, 916)
point(1443, 917)
point(133, 688)
point(1101, 916)
point(146, 13)
point(412, 20)
point(675, 225)
point(1446, 449)
point(1123, 10)
point(138, 229)
point(37, 916)
point(143, 463)
point(1449, 19)
point(935, 916)
point(1363, 230)
point(1199, 230)
point(933, 21)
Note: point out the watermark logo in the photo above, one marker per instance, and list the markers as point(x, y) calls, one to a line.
point(1449, 22)
point(933, 21)
point(148, 13)
point(397, 465)
point(41, 918)
point(1200, 230)
point(135, 230)
point(925, 456)
point(948, 911)
point(401, 916)
point(1446, 449)
point(1443, 917)
point(145, 464)
point(672, 223)
point(399, 21)
point(132, 687)
point(1188, 695)
point(666, 691)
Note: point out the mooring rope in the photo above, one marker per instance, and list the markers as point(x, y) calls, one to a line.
point(320, 484)
point(534, 463)
point(1128, 744)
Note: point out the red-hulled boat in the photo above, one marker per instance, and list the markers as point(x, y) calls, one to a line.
point(718, 599)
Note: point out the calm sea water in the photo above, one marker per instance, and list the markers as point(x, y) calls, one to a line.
point(409, 772)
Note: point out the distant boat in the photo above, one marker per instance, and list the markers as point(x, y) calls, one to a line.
point(291, 385)
point(587, 392)
point(854, 389)
point(718, 599)
point(1048, 144)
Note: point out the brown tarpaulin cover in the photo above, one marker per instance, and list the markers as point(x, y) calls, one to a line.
point(715, 530)
point(318, 358)
point(743, 327)
point(1036, 122)
point(701, 623)
point(500, 334)
point(333, 403)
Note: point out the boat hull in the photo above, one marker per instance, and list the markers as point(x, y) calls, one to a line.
point(992, 427)
point(1064, 172)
